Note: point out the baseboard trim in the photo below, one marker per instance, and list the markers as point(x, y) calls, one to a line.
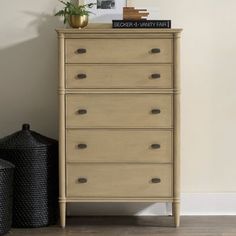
point(191, 204)
point(208, 204)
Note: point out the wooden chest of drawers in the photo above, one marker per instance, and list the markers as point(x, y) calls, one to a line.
point(119, 116)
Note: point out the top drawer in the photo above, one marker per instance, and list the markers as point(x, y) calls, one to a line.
point(118, 51)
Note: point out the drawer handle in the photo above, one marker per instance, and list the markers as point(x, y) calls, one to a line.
point(155, 146)
point(156, 50)
point(82, 146)
point(82, 111)
point(155, 76)
point(81, 51)
point(156, 111)
point(81, 76)
point(82, 180)
point(156, 180)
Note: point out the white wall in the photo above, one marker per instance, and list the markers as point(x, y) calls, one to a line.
point(28, 81)
point(28, 65)
point(208, 91)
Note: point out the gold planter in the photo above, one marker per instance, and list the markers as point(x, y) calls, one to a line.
point(78, 21)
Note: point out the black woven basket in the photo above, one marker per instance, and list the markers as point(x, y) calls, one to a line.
point(6, 195)
point(36, 177)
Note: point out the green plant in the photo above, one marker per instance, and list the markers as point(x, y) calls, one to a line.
point(72, 9)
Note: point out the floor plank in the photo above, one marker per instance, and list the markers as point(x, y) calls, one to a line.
point(137, 226)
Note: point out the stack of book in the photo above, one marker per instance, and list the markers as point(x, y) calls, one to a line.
point(149, 24)
point(137, 18)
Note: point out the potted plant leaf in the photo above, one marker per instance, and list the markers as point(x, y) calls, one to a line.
point(74, 14)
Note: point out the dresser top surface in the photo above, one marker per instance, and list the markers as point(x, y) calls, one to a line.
point(107, 28)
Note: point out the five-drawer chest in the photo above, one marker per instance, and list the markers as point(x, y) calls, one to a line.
point(119, 116)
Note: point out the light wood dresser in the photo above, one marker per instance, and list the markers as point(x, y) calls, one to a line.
point(119, 116)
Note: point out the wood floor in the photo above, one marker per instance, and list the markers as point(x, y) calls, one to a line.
point(138, 226)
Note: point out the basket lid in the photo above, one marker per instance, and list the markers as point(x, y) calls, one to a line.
point(5, 165)
point(25, 138)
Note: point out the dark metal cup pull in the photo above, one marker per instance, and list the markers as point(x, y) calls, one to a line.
point(155, 76)
point(82, 180)
point(82, 111)
point(156, 50)
point(155, 146)
point(156, 180)
point(82, 146)
point(81, 76)
point(81, 51)
point(156, 111)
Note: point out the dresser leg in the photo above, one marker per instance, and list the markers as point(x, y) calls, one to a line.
point(176, 213)
point(63, 214)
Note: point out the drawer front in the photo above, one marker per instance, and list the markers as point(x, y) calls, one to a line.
point(118, 76)
point(119, 110)
point(135, 146)
point(118, 51)
point(119, 180)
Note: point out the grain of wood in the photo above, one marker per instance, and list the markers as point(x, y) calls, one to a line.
point(119, 180)
point(119, 146)
point(135, 226)
point(119, 110)
point(118, 51)
point(119, 76)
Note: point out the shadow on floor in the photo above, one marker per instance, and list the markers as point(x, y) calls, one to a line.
point(160, 221)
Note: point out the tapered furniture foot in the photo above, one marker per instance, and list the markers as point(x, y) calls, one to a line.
point(63, 214)
point(176, 213)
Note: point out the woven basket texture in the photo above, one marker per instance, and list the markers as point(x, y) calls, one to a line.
point(35, 179)
point(6, 196)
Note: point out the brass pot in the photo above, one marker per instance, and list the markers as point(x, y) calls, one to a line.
point(76, 21)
